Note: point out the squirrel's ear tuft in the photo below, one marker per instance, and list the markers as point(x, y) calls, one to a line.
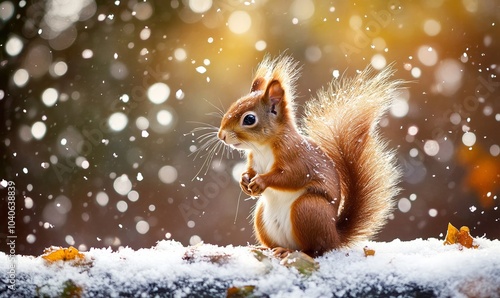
point(258, 84)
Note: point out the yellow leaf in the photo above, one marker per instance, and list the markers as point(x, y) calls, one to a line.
point(368, 251)
point(451, 235)
point(465, 239)
point(462, 237)
point(54, 254)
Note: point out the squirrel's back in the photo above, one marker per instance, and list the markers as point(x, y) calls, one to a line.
point(343, 121)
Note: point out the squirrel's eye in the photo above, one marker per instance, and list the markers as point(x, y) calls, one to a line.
point(249, 120)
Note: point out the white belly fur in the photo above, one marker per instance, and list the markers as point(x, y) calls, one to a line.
point(276, 216)
point(277, 204)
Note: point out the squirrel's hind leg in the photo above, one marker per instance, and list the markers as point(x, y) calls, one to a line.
point(313, 220)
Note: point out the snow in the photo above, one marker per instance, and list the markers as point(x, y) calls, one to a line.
point(399, 268)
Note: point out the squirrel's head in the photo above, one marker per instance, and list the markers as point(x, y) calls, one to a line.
point(256, 117)
point(267, 111)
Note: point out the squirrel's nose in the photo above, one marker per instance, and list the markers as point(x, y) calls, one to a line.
point(222, 135)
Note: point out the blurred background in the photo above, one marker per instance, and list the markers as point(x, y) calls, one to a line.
point(98, 102)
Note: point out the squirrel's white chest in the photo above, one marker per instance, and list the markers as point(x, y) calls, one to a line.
point(263, 159)
point(276, 210)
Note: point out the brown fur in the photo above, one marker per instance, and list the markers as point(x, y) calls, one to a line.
point(343, 121)
point(313, 219)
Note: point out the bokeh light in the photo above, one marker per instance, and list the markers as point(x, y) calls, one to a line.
point(432, 27)
point(122, 185)
point(469, 139)
point(167, 174)
point(21, 77)
point(6, 10)
point(118, 121)
point(239, 22)
point(49, 96)
point(200, 6)
point(158, 93)
point(142, 227)
point(14, 46)
point(431, 147)
point(38, 130)
point(427, 55)
point(302, 9)
point(102, 198)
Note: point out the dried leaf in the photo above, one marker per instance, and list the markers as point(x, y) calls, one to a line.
point(54, 254)
point(462, 237)
point(302, 262)
point(262, 258)
point(217, 258)
point(368, 251)
point(71, 290)
point(259, 255)
point(240, 292)
point(193, 254)
point(451, 235)
point(465, 239)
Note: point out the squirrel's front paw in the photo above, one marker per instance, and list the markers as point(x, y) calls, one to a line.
point(244, 182)
point(257, 186)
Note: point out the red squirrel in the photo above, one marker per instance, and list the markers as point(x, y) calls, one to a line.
point(323, 185)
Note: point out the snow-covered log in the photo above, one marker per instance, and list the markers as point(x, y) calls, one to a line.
point(423, 268)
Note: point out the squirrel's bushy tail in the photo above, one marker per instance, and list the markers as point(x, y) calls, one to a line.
point(343, 121)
